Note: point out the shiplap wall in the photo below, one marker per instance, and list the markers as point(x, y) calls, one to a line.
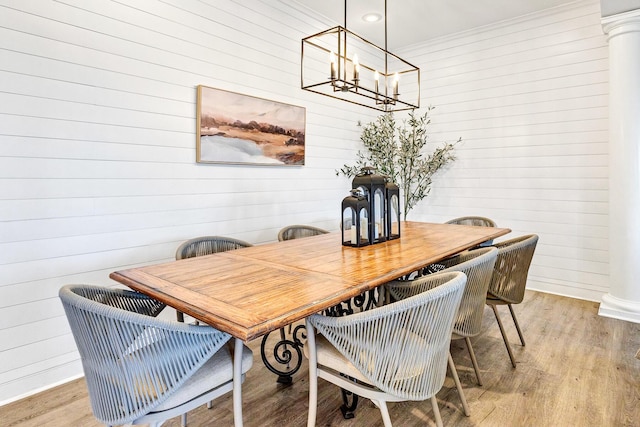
point(97, 146)
point(97, 151)
point(529, 97)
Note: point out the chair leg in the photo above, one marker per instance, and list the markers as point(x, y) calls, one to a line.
point(386, 419)
point(513, 315)
point(436, 411)
point(183, 420)
point(313, 375)
point(237, 383)
point(454, 374)
point(504, 335)
point(472, 354)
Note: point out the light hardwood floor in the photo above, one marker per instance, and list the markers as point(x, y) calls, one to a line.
point(577, 369)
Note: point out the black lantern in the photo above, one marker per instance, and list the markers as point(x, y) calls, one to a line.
point(393, 210)
point(373, 187)
point(355, 219)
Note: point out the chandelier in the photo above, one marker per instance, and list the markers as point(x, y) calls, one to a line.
point(341, 64)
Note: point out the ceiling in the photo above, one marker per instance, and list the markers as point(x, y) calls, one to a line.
point(414, 21)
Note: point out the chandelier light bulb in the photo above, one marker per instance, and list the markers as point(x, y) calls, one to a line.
point(332, 59)
point(356, 68)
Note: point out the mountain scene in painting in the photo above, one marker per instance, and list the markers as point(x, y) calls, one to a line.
point(237, 128)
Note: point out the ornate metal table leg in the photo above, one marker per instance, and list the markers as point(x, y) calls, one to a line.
point(347, 408)
point(366, 301)
point(286, 354)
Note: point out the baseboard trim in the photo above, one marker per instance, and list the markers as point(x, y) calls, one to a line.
point(617, 308)
point(565, 290)
point(39, 390)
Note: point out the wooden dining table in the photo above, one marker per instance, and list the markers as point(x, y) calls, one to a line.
point(252, 291)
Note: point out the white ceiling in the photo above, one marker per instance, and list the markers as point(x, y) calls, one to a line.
point(414, 21)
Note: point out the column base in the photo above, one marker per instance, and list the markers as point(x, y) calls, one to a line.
point(619, 309)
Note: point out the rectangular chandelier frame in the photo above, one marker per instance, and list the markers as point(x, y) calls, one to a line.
point(340, 64)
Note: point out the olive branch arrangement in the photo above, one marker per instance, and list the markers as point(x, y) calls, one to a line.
point(397, 151)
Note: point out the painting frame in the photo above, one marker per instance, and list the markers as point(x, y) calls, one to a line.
point(234, 128)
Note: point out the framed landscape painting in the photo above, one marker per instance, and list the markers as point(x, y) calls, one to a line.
point(242, 129)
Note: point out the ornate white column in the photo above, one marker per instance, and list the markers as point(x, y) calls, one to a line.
point(623, 299)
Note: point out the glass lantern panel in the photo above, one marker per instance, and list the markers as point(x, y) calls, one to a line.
point(395, 215)
point(378, 212)
point(348, 226)
point(364, 222)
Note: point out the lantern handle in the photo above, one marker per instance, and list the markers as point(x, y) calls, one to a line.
point(368, 170)
point(357, 193)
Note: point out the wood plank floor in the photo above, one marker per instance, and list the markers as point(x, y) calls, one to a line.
point(577, 369)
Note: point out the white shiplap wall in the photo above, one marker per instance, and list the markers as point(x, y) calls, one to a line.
point(529, 98)
point(97, 146)
point(97, 151)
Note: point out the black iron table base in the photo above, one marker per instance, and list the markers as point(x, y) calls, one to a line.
point(286, 353)
point(285, 358)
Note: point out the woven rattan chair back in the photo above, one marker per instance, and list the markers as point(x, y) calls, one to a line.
point(401, 349)
point(478, 267)
point(207, 245)
point(133, 361)
point(298, 231)
point(509, 281)
point(511, 269)
point(473, 220)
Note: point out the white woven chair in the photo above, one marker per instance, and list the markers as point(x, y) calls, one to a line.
point(509, 280)
point(298, 231)
point(396, 352)
point(478, 266)
point(140, 369)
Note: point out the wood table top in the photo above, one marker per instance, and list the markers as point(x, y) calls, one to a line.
point(251, 291)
